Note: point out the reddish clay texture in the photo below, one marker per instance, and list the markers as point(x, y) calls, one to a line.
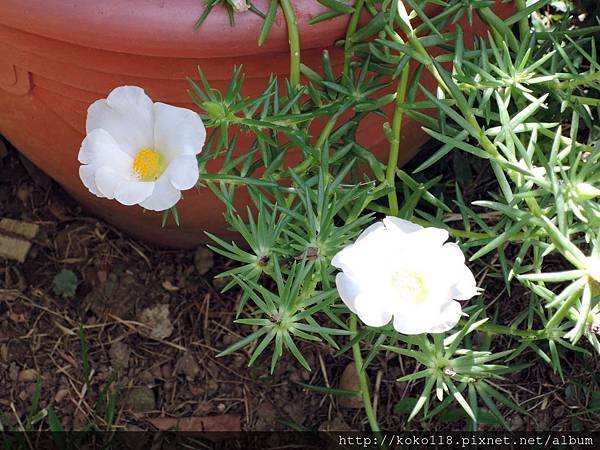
point(58, 56)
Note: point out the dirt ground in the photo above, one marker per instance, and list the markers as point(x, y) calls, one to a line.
point(170, 370)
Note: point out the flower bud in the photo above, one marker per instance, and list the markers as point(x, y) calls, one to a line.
point(586, 191)
point(214, 110)
point(240, 5)
point(387, 132)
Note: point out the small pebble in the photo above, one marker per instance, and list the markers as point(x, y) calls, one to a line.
point(188, 365)
point(349, 381)
point(60, 395)
point(119, 355)
point(203, 260)
point(13, 372)
point(28, 375)
point(167, 371)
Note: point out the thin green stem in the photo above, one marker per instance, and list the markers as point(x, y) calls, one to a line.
point(372, 206)
point(415, 43)
point(582, 80)
point(327, 129)
point(362, 379)
point(491, 328)
point(466, 111)
point(310, 160)
point(392, 164)
point(501, 32)
point(524, 22)
point(294, 40)
point(585, 100)
point(358, 6)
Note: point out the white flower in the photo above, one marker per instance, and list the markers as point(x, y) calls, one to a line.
point(399, 269)
point(139, 152)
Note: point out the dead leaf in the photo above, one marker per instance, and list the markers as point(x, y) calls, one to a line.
point(18, 318)
point(9, 294)
point(168, 286)
point(226, 422)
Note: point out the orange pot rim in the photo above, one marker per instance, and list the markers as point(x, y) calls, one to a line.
point(163, 27)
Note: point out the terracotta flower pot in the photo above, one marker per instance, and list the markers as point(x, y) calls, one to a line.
point(58, 56)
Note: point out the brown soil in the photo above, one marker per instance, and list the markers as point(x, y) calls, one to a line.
point(179, 374)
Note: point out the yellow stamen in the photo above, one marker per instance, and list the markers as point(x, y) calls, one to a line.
point(409, 285)
point(149, 164)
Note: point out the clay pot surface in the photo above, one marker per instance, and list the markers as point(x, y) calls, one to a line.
point(58, 56)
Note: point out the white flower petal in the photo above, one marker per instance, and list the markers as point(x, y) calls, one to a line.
point(347, 289)
point(431, 236)
point(99, 148)
point(416, 318)
point(163, 197)
point(183, 172)
point(88, 177)
point(177, 131)
point(404, 226)
point(338, 260)
point(411, 321)
point(371, 314)
point(375, 227)
point(348, 258)
point(108, 180)
point(453, 253)
point(447, 319)
point(133, 192)
point(359, 260)
point(466, 286)
point(127, 115)
point(376, 243)
point(422, 319)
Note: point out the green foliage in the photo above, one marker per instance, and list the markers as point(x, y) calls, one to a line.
point(453, 371)
point(522, 101)
point(65, 283)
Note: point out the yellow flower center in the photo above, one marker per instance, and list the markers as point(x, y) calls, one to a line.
point(149, 164)
point(409, 286)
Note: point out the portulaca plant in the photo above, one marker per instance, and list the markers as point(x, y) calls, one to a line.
point(327, 243)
